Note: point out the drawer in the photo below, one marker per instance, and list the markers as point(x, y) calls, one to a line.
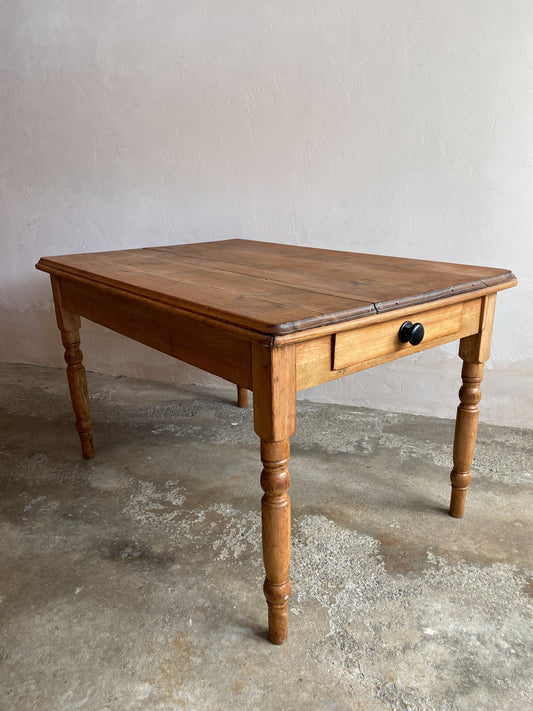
point(380, 342)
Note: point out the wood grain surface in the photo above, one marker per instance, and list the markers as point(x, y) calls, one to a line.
point(274, 288)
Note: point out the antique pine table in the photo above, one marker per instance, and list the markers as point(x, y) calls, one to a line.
point(276, 319)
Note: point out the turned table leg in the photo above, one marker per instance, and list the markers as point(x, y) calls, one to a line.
point(242, 396)
point(474, 351)
point(69, 325)
point(465, 435)
point(276, 519)
point(274, 387)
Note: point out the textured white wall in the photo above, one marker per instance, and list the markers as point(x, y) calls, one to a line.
point(389, 127)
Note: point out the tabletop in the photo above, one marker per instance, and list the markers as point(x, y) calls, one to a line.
point(275, 288)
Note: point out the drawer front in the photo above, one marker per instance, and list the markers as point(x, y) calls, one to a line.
point(380, 341)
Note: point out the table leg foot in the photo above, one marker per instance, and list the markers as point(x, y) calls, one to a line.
point(276, 510)
point(242, 396)
point(465, 435)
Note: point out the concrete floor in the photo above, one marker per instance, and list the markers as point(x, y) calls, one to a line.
point(133, 581)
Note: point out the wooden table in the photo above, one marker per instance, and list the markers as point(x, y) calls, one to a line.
point(276, 319)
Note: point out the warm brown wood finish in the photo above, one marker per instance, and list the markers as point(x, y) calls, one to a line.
point(162, 327)
point(69, 325)
point(276, 319)
point(273, 288)
point(380, 340)
point(474, 351)
point(258, 304)
point(242, 396)
point(388, 282)
point(274, 386)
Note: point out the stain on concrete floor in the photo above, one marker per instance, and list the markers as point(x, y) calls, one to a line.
point(133, 581)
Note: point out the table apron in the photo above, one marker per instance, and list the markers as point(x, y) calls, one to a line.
point(163, 328)
point(334, 356)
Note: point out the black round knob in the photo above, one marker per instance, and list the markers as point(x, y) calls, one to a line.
point(412, 333)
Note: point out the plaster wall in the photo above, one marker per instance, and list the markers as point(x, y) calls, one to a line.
point(398, 128)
